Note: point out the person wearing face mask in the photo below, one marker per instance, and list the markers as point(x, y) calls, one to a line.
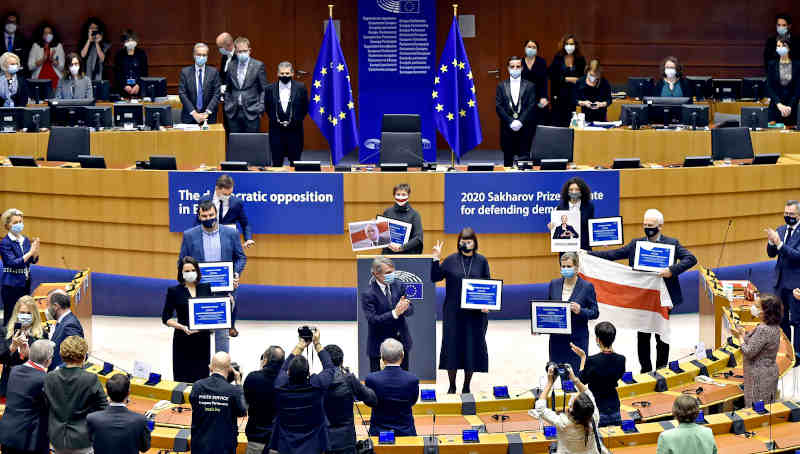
point(67, 324)
point(95, 48)
point(18, 253)
point(566, 69)
point(594, 93)
point(230, 208)
point(463, 330)
point(652, 224)
point(46, 58)
point(783, 80)
point(13, 39)
point(286, 103)
point(576, 195)
point(671, 82)
point(402, 211)
point(198, 89)
point(212, 242)
point(515, 103)
point(534, 70)
point(583, 307)
point(386, 308)
point(783, 28)
point(13, 89)
point(75, 85)
point(784, 243)
point(18, 338)
point(191, 349)
point(246, 85)
point(227, 50)
point(760, 350)
point(130, 65)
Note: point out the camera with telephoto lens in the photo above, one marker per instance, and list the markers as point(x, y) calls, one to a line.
point(306, 333)
point(561, 370)
point(234, 367)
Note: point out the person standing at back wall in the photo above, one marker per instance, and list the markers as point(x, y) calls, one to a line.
point(402, 211)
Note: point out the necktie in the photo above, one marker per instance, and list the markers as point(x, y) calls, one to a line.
point(199, 89)
point(242, 71)
point(10, 45)
point(220, 211)
point(788, 234)
point(389, 293)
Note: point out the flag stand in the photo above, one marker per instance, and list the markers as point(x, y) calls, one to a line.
point(452, 167)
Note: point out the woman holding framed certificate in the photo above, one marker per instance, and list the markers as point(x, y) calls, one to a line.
point(464, 330)
point(576, 196)
point(191, 350)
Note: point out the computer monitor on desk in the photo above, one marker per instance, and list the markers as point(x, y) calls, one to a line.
point(727, 89)
point(702, 86)
point(634, 115)
point(754, 117)
point(158, 116)
point(69, 112)
point(36, 118)
point(665, 110)
point(639, 87)
point(754, 88)
point(694, 115)
point(128, 115)
point(99, 117)
point(101, 89)
point(39, 89)
point(153, 87)
point(11, 119)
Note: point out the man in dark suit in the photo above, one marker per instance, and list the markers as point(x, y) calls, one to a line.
point(259, 393)
point(286, 102)
point(684, 260)
point(14, 42)
point(515, 103)
point(386, 307)
point(198, 89)
point(564, 231)
point(246, 84)
point(23, 428)
point(216, 405)
point(300, 422)
point(226, 49)
point(230, 209)
point(117, 429)
point(397, 392)
point(67, 323)
point(784, 243)
point(210, 242)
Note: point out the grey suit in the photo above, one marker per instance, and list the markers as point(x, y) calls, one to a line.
point(69, 88)
point(244, 102)
point(119, 430)
point(187, 90)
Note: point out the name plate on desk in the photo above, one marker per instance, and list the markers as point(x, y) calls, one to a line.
point(653, 256)
point(550, 317)
point(209, 313)
point(481, 294)
point(219, 275)
point(605, 231)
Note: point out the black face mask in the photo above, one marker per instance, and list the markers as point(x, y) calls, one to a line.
point(651, 231)
point(285, 79)
point(790, 220)
point(463, 248)
point(208, 223)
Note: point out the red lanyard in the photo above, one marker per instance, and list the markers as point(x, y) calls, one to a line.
point(36, 366)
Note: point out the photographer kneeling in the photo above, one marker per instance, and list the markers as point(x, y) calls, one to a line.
point(300, 422)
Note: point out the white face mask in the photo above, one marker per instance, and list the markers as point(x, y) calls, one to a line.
point(25, 319)
point(569, 48)
point(754, 311)
point(11, 28)
point(130, 45)
point(591, 78)
point(74, 69)
point(48, 38)
point(13, 69)
point(190, 276)
point(670, 72)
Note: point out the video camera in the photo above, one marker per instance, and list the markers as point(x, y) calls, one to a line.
point(561, 370)
point(307, 333)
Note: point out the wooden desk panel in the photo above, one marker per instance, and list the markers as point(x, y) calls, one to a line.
point(663, 146)
point(24, 144)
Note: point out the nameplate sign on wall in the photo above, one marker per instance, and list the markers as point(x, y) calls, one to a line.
point(277, 203)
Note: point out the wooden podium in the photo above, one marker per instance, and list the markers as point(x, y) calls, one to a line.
point(713, 301)
point(80, 295)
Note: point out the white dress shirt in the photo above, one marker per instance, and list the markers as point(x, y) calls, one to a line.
point(385, 289)
point(575, 206)
point(515, 83)
point(225, 204)
point(284, 92)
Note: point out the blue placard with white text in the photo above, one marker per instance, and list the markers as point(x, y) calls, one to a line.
point(481, 294)
point(209, 313)
point(519, 202)
point(219, 275)
point(551, 317)
point(653, 256)
point(277, 203)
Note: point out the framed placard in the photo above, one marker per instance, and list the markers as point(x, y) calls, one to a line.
point(481, 294)
point(209, 313)
point(219, 275)
point(605, 231)
point(399, 231)
point(653, 256)
point(565, 235)
point(371, 234)
point(550, 317)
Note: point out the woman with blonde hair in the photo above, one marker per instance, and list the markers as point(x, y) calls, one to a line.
point(18, 253)
point(24, 327)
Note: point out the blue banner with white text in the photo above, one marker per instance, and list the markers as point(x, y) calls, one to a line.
point(277, 203)
point(397, 47)
point(519, 202)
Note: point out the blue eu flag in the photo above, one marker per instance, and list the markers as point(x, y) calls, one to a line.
point(455, 107)
point(332, 107)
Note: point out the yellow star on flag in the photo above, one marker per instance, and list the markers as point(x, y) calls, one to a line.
point(436, 80)
point(435, 94)
point(351, 105)
point(321, 110)
point(316, 98)
point(324, 70)
point(342, 115)
point(469, 75)
point(317, 84)
point(461, 65)
point(439, 107)
point(348, 78)
point(335, 121)
point(472, 88)
point(443, 68)
point(462, 112)
point(450, 116)
point(471, 103)
point(340, 67)
point(455, 63)
point(330, 118)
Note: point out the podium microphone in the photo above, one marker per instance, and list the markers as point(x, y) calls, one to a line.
point(431, 445)
point(724, 242)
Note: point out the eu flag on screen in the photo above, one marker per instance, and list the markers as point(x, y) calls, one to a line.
point(332, 107)
point(455, 106)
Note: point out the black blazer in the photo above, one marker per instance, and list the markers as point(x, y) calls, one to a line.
point(777, 93)
point(69, 326)
point(345, 389)
point(118, 430)
point(259, 393)
point(397, 392)
point(686, 88)
point(558, 71)
point(584, 294)
point(298, 104)
point(24, 423)
point(587, 212)
point(561, 231)
point(22, 46)
point(214, 425)
point(125, 64)
point(770, 54)
point(537, 75)
point(787, 267)
point(223, 74)
point(683, 261)
point(381, 324)
point(72, 393)
point(187, 90)
point(527, 100)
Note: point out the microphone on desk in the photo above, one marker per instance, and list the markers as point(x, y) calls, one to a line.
point(724, 242)
point(432, 447)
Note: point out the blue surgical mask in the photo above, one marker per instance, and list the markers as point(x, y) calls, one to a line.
point(200, 60)
point(16, 229)
point(225, 51)
point(243, 57)
point(782, 51)
point(530, 52)
point(389, 278)
point(567, 273)
point(782, 30)
point(515, 73)
point(13, 69)
point(209, 223)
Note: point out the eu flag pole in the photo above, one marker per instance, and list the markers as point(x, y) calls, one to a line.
point(455, 106)
point(332, 106)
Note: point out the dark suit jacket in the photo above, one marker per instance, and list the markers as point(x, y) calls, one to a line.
point(684, 260)
point(397, 392)
point(21, 97)
point(118, 430)
point(686, 88)
point(251, 91)
point(770, 54)
point(223, 75)
point(583, 294)
point(587, 212)
point(777, 93)
point(11, 254)
point(72, 393)
point(215, 406)
point(345, 389)
point(527, 100)
point(382, 325)
point(259, 393)
point(300, 422)
point(230, 246)
point(235, 215)
point(22, 46)
point(557, 234)
point(24, 423)
point(298, 105)
point(187, 90)
point(69, 326)
point(787, 268)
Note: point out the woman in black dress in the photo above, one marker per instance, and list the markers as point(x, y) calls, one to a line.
point(594, 93)
point(576, 195)
point(464, 330)
point(534, 70)
point(566, 69)
point(191, 350)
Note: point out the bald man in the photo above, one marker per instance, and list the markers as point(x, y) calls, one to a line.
point(216, 404)
point(225, 45)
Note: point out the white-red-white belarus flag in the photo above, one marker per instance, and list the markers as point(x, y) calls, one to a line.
point(631, 299)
